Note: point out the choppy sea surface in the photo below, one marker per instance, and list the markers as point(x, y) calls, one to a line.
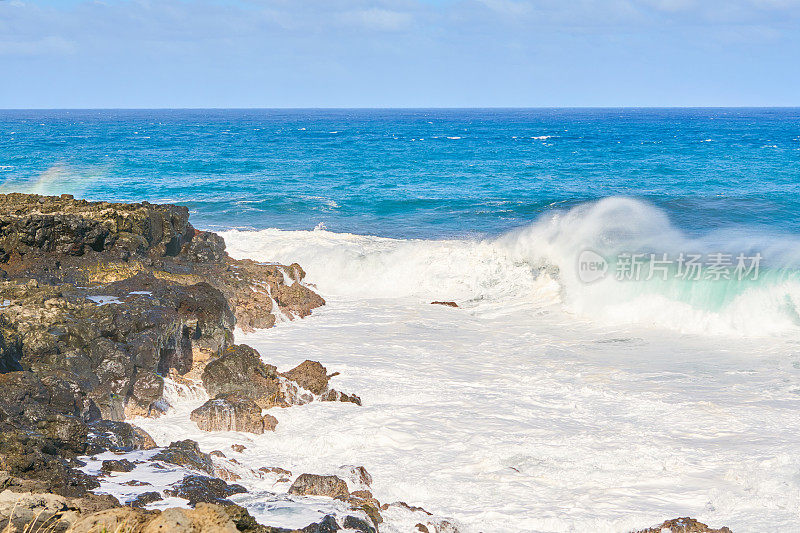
point(567, 392)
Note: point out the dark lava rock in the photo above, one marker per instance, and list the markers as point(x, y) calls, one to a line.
point(118, 436)
point(186, 453)
point(316, 485)
point(146, 498)
point(232, 412)
point(204, 489)
point(101, 301)
point(240, 370)
point(684, 525)
point(353, 522)
point(117, 465)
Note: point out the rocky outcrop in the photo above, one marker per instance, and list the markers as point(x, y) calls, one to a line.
point(310, 375)
point(683, 525)
point(196, 489)
point(241, 385)
point(240, 370)
point(99, 302)
point(186, 453)
point(232, 412)
point(316, 485)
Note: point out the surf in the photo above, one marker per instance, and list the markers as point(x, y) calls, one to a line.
point(537, 266)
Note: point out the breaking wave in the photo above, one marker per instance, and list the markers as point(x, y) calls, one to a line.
point(538, 265)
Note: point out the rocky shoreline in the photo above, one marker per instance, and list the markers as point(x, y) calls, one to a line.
point(103, 307)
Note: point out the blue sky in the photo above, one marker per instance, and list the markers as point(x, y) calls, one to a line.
point(399, 53)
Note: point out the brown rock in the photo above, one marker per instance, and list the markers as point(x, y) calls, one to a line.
point(232, 412)
point(684, 525)
point(448, 304)
point(316, 485)
point(310, 375)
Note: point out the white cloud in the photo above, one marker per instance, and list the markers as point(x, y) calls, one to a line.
point(379, 19)
point(45, 46)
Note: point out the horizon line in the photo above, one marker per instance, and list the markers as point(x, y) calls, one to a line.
point(409, 108)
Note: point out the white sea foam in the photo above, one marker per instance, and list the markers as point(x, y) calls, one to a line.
point(537, 266)
point(542, 404)
point(526, 423)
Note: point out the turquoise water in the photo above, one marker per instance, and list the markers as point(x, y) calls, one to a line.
point(416, 173)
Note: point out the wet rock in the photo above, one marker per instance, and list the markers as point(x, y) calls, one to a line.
point(310, 375)
point(136, 483)
point(316, 485)
point(336, 396)
point(207, 489)
point(326, 525)
point(186, 453)
point(448, 304)
point(118, 436)
point(100, 302)
point(117, 465)
point(146, 498)
point(684, 525)
point(232, 412)
point(358, 524)
point(240, 370)
point(357, 476)
point(297, 298)
point(239, 448)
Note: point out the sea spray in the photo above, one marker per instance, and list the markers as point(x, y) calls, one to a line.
point(537, 266)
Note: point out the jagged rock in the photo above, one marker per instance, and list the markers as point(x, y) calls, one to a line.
point(316, 485)
point(118, 436)
point(146, 498)
point(239, 448)
point(240, 370)
point(356, 475)
point(297, 298)
point(197, 488)
point(186, 453)
point(62, 225)
point(684, 525)
point(232, 412)
point(448, 304)
point(336, 396)
point(353, 522)
point(310, 375)
point(117, 465)
point(101, 301)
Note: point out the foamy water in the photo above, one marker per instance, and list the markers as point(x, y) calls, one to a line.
point(540, 404)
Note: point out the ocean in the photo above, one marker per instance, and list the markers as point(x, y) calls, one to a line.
point(625, 347)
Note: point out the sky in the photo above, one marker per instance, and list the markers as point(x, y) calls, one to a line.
point(398, 53)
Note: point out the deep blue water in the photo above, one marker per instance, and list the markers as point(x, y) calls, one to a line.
point(415, 173)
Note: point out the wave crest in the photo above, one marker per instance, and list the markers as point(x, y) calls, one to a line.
point(536, 266)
